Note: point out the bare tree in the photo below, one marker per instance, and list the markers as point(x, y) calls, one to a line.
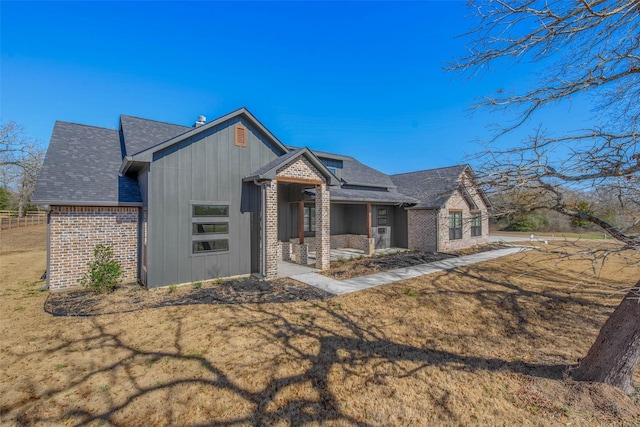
point(591, 51)
point(20, 162)
point(30, 165)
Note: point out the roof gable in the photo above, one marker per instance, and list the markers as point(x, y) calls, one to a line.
point(432, 187)
point(147, 154)
point(81, 168)
point(270, 170)
point(141, 134)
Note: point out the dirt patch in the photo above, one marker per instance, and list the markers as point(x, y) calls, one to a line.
point(356, 267)
point(486, 344)
point(128, 298)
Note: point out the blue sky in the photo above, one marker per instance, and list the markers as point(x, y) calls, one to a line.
point(357, 78)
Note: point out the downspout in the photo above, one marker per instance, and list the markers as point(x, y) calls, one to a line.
point(47, 272)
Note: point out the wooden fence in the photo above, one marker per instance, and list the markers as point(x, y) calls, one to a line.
point(10, 219)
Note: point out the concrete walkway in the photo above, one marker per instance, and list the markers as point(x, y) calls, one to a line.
point(341, 287)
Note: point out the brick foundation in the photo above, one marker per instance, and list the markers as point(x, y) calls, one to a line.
point(74, 231)
point(353, 241)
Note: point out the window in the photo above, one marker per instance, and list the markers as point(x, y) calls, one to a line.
point(207, 219)
point(210, 228)
point(211, 245)
point(382, 216)
point(476, 224)
point(455, 225)
point(309, 218)
point(210, 210)
point(332, 170)
point(331, 163)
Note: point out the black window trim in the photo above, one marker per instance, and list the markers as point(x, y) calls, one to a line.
point(209, 219)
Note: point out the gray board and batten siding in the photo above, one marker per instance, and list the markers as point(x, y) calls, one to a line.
point(207, 169)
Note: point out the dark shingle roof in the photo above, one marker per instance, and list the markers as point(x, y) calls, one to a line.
point(356, 173)
point(140, 134)
point(81, 167)
point(431, 187)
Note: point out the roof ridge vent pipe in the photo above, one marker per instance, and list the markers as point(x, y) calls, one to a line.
point(200, 121)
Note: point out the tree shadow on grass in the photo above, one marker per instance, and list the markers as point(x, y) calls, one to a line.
point(131, 298)
point(340, 342)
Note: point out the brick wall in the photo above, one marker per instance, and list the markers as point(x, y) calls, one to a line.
point(300, 167)
point(457, 202)
point(422, 229)
point(336, 241)
point(429, 229)
point(74, 231)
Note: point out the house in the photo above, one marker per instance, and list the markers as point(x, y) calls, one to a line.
point(224, 198)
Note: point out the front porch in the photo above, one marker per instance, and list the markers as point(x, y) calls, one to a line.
point(291, 268)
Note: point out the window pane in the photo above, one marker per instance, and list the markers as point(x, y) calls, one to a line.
point(208, 227)
point(211, 246)
point(455, 225)
point(210, 210)
point(382, 221)
point(476, 224)
point(313, 219)
point(382, 212)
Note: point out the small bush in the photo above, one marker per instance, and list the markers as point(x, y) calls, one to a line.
point(104, 272)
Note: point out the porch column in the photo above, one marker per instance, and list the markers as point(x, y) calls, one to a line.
point(301, 222)
point(271, 230)
point(369, 221)
point(323, 227)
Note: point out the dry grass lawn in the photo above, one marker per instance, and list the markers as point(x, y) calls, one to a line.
point(488, 344)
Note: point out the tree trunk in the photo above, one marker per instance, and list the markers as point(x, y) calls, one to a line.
point(614, 355)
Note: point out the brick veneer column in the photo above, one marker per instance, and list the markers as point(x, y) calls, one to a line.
point(271, 229)
point(74, 231)
point(323, 227)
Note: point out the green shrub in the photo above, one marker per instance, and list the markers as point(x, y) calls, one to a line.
point(104, 272)
point(527, 222)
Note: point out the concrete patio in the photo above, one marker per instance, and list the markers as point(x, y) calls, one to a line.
point(290, 268)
